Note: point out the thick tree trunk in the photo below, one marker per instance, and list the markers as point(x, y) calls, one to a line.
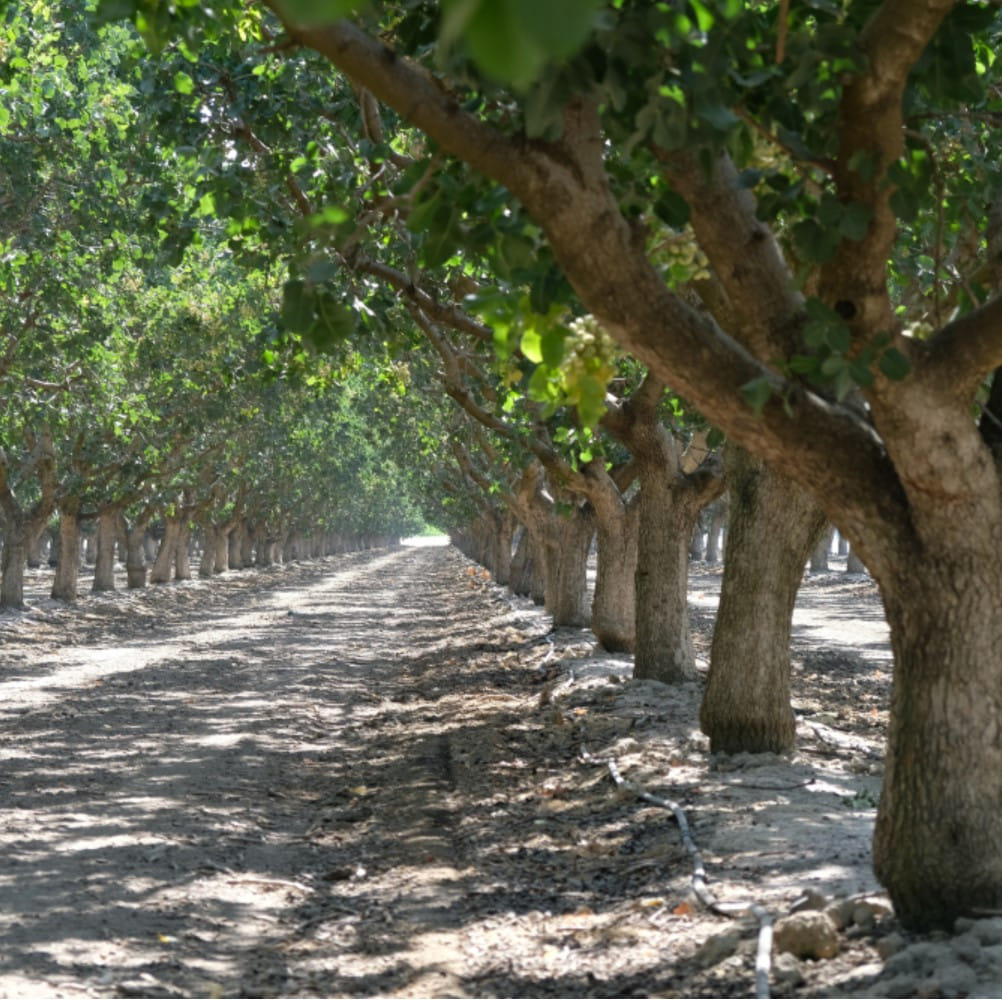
point(35, 545)
point(819, 555)
point(104, 561)
point(614, 603)
point(506, 533)
point(526, 569)
point(773, 527)
point(696, 547)
point(568, 540)
point(666, 522)
point(161, 571)
point(718, 517)
point(249, 537)
point(15, 548)
point(221, 561)
point(182, 551)
point(64, 585)
point(938, 842)
point(210, 548)
point(135, 555)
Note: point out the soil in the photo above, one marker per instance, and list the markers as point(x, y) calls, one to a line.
point(380, 774)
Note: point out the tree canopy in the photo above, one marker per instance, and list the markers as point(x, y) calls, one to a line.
point(788, 213)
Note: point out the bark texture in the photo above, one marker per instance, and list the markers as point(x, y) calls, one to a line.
point(64, 584)
point(938, 844)
point(773, 527)
point(104, 559)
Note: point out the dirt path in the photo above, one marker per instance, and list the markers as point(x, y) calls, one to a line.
point(364, 777)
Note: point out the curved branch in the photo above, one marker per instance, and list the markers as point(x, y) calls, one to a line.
point(960, 355)
point(743, 251)
point(871, 131)
point(406, 87)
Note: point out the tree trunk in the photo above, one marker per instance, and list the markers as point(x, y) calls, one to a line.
point(718, 517)
point(64, 585)
point(819, 555)
point(221, 561)
point(104, 562)
point(526, 574)
point(182, 553)
point(506, 532)
point(248, 538)
point(696, 548)
point(210, 548)
point(568, 541)
point(35, 546)
point(135, 551)
point(15, 548)
point(664, 646)
point(773, 527)
point(938, 842)
point(161, 571)
point(614, 602)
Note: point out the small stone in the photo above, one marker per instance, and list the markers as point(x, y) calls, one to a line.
point(810, 934)
point(839, 911)
point(809, 899)
point(717, 948)
point(787, 971)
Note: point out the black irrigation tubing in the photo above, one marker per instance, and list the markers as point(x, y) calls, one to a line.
point(699, 886)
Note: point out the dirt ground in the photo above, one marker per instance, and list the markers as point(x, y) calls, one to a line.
point(380, 775)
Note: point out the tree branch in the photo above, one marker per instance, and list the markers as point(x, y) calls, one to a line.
point(871, 132)
point(408, 88)
point(960, 355)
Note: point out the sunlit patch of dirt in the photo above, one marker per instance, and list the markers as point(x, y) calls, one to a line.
point(368, 776)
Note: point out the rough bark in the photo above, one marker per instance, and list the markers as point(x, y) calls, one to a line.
point(568, 541)
point(35, 547)
point(526, 569)
point(819, 555)
point(714, 535)
point(665, 526)
point(106, 539)
point(182, 552)
point(64, 584)
point(773, 527)
point(164, 561)
point(897, 477)
point(15, 550)
point(210, 549)
point(674, 487)
point(614, 604)
point(938, 843)
point(135, 550)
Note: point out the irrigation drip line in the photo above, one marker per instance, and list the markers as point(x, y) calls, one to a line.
point(699, 886)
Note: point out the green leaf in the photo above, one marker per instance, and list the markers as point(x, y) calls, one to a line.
point(757, 393)
point(672, 209)
point(532, 346)
point(812, 242)
point(552, 346)
point(894, 364)
point(297, 306)
point(855, 221)
point(183, 83)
